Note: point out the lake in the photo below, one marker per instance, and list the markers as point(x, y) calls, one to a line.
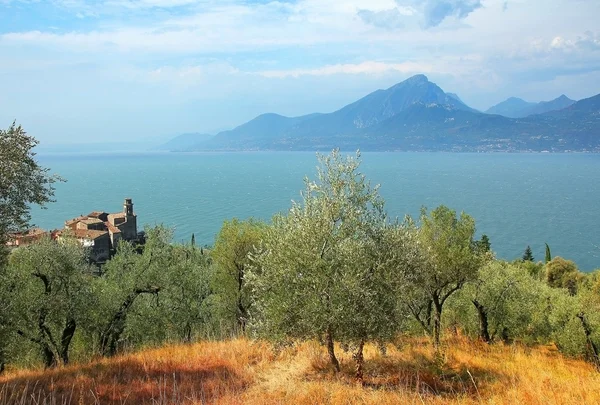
point(516, 199)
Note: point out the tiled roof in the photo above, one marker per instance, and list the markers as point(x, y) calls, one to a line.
point(84, 233)
point(118, 215)
point(90, 221)
point(95, 214)
point(112, 228)
point(75, 220)
point(35, 232)
point(24, 238)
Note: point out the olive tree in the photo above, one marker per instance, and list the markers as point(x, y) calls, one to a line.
point(504, 299)
point(126, 277)
point(51, 296)
point(321, 272)
point(23, 182)
point(452, 259)
point(575, 321)
point(561, 273)
point(178, 312)
point(6, 312)
point(186, 293)
point(235, 241)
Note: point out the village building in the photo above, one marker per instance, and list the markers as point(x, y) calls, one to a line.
point(99, 231)
point(26, 238)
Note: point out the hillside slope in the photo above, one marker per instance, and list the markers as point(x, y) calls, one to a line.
point(246, 372)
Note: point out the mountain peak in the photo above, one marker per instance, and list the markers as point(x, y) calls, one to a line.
point(420, 78)
point(416, 80)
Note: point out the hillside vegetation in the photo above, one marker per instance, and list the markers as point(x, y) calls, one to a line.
point(253, 372)
point(335, 270)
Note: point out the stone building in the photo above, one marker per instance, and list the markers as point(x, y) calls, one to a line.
point(26, 238)
point(101, 231)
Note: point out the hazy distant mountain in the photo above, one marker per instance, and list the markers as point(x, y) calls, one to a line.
point(262, 130)
point(512, 107)
point(185, 142)
point(417, 115)
point(584, 111)
point(383, 104)
point(518, 108)
point(281, 132)
point(553, 105)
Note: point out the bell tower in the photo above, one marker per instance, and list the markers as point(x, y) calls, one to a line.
point(129, 228)
point(128, 207)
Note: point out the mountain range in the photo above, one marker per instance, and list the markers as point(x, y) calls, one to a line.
point(518, 108)
point(417, 115)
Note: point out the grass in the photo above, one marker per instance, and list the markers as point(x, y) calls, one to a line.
point(246, 372)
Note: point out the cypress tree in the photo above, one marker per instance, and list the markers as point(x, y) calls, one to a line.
point(548, 255)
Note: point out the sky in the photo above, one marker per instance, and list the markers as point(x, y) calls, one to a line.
point(89, 71)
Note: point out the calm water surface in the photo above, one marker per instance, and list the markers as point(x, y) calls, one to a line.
point(516, 199)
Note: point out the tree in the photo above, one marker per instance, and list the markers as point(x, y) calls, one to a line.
point(235, 241)
point(322, 271)
point(180, 311)
point(561, 273)
point(451, 261)
point(576, 323)
point(126, 277)
point(23, 181)
point(187, 291)
point(483, 245)
point(528, 255)
point(51, 295)
point(548, 254)
point(6, 311)
point(504, 298)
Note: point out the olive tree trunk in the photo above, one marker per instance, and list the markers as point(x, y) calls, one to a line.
point(590, 345)
point(484, 333)
point(331, 350)
point(360, 361)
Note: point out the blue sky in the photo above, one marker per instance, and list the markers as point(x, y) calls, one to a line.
point(79, 71)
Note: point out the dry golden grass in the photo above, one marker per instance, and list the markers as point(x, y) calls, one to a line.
point(246, 372)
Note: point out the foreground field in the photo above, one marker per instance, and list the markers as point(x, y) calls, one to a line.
point(246, 372)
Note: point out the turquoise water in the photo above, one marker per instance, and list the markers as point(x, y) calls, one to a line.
point(516, 199)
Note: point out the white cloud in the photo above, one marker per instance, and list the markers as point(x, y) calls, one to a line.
point(369, 68)
point(163, 52)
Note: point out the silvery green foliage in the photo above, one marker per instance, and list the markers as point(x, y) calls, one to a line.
point(451, 260)
point(151, 294)
point(327, 264)
point(508, 296)
point(51, 297)
point(232, 300)
point(561, 273)
point(571, 316)
point(22, 181)
point(179, 311)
